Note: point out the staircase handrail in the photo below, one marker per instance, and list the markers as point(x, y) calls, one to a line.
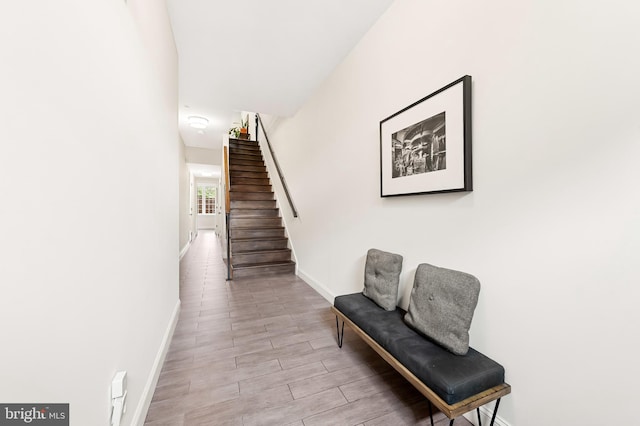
point(275, 162)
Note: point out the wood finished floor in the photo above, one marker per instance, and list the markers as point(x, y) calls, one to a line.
point(264, 352)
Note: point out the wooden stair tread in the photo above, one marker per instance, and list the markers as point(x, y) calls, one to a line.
point(254, 208)
point(255, 216)
point(258, 265)
point(258, 239)
point(265, 251)
point(262, 228)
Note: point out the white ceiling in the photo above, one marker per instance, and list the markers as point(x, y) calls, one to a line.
point(265, 56)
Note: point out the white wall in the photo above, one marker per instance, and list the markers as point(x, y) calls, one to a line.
point(193, 204)
point(89, 124)
point(187, 224)
point(203, 155)
point(552, 229)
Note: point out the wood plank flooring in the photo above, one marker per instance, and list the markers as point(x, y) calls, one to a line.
point(264, 352)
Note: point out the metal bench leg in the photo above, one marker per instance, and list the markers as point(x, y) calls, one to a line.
point(430, 412)
point(451, 422)
point(479, 419)
point(340, 334)
point(495, 411)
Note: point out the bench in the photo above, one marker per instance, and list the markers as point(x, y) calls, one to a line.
point(455, 384)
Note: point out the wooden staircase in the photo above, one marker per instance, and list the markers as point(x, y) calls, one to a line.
point(258, 243)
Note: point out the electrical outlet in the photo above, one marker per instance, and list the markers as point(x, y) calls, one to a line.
point(118, 397)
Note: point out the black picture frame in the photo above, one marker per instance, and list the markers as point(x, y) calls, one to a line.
point(425, 148)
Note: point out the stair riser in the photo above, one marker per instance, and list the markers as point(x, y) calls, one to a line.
point(249, 181)
point(267, 204)
point(245, 196)
point(258, 233)
point(245, 151)
point(235, 158)
point(255, 245)
point(262, 222)
point(243, 168)
point(255, 212)
point(254, 152)
point(244, 145)
point(242, 142)
point(273, 256)
point(246, 163)
point(239, 273)
point(251, 188)
point(252, 175)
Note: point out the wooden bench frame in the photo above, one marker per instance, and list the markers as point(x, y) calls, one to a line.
point(450, 410)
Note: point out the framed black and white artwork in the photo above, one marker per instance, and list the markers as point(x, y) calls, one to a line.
point(426, 147)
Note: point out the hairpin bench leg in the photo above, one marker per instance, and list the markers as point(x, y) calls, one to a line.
point(430, 412)
point(495, 411)
point(479, 419)
point(340, 334)
point(451, 422)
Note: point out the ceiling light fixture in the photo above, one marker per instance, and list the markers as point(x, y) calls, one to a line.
point(198, 122)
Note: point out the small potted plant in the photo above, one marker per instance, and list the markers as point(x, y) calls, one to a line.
point(244, 127)
point(234, 132)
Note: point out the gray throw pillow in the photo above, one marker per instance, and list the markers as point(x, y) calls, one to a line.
point(442, 304)
point(381, 278)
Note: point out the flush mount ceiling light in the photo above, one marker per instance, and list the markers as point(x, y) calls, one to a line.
point(198, 122)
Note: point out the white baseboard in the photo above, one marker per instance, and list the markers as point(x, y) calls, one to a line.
point(184, 250)
point(322, 290)
point(147, 393)
point(485, 413)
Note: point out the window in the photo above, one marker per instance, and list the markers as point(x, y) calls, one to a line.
point(206, 199)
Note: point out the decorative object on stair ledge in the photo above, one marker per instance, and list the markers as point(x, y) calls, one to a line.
point(241, 131)
point(426, 147)
point(244, 128)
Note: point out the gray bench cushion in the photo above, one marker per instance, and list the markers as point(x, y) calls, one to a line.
point(382, 277)
point(442, 304)
point(452, 377)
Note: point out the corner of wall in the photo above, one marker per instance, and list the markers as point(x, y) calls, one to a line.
point(185, 249)
point(317, 286)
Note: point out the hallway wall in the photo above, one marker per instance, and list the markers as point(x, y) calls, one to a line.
point(89, 184)
point(187, 222)
point(552, 228)
point(203, 155)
